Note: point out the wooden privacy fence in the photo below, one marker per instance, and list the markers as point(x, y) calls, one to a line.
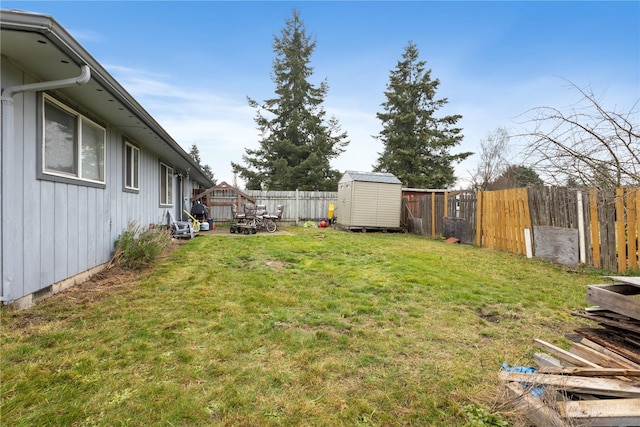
point(503, 220)
point(597, 228)
point(297, 205)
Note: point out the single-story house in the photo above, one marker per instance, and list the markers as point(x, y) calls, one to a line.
point(81, 160)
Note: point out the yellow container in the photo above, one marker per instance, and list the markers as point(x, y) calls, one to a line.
point(332, 209)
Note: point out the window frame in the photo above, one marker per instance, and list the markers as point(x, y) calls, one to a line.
point(166, 199)
point(133, 168)
point(80, 120)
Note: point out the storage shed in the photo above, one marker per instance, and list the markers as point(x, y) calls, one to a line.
point(369, 200)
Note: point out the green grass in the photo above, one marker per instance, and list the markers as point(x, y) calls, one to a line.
point(320, 328)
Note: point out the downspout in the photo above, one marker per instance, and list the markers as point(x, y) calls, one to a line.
point(6, 145)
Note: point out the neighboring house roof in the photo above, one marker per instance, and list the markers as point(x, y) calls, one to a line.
point(382, 177)
point(45, 50)
point(222, 187)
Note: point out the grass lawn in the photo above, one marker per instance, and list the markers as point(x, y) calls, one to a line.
point(316, 328)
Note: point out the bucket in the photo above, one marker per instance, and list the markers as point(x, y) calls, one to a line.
point(204, 226)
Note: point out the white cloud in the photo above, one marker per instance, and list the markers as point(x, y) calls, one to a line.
point(222, 125)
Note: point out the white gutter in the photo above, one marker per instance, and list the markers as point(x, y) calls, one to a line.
point(7, 146)
point(83, 78)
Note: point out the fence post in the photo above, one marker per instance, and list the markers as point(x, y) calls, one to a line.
point(581, 238)
point(446, 204)
point(633, 210)
point(479, 200)
point(595, 227)
point(297, 207)
point(433, 214)
point(621, 238)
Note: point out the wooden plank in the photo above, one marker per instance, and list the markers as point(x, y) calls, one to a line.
point(622, 322)
point(610, 261)
point(625, 279)
point(621, 238)
point(544, 360)
point(609, 412)
point(479, 216)
point(637, 225)
point(565, 355)
point(589, 385)
point(556, 244)
point(603, 296)
point(433, 214)
point(613, 342)
point(590, 372)
point(594, 226)
point(632, 237)
point(446, 204)
point(623, 361)
point(594, 356)
point(534, 409)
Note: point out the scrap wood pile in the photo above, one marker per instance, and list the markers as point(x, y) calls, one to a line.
point(596, 382)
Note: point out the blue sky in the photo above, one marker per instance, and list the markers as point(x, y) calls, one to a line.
point(193, 64)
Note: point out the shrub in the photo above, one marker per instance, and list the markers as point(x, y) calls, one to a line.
point(137, 248)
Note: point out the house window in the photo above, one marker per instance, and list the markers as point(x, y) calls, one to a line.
point(74, 146)
point(166, 185)
point(131, 167)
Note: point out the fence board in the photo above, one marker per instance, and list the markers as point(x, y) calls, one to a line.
point(594, 225)
point(497, 220)
point(621, 241)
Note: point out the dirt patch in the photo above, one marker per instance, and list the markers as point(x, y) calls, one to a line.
point(277, 265)
point(497, 318)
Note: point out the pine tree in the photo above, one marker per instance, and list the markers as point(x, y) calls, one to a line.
point(194, 152)
point(297, 140)
point(416, 142)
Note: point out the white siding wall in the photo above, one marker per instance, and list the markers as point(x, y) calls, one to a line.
point(52, 231)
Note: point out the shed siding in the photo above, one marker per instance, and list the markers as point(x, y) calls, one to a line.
point(364, 204)
point(389, 205)
point(368, 204)
point(51, 230)
point(343, 206)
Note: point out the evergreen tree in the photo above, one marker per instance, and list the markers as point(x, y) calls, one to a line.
point(194, 152)
point(297, 140)
point(416, 142)
point(516, 176)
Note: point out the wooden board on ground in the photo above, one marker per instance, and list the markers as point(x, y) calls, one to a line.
point(609, 412)
point(590, 372)
point(612, 342)
point(565, 355)
point(625, 279)
point(535, 410)
point(588, 385)
point(615, 298)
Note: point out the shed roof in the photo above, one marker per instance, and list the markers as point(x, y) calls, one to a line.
point(382, 177)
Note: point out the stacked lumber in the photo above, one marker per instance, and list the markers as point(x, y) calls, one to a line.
point(596, 382)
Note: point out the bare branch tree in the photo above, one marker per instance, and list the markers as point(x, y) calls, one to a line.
point(587, 144)
point(493, 159)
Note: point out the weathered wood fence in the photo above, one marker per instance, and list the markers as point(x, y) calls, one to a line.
point(600, 229)
point(297, 205)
